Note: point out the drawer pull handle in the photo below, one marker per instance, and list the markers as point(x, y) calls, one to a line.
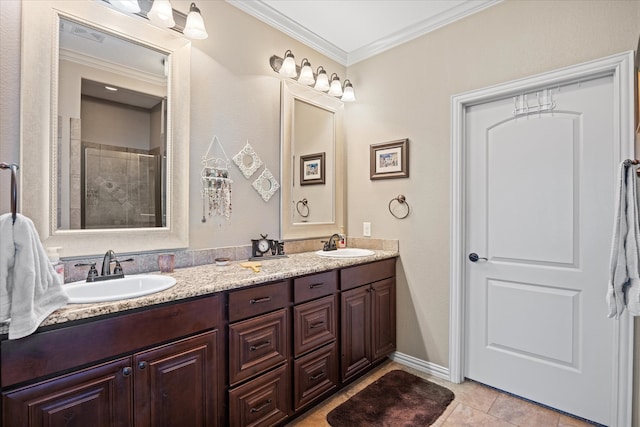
point(316, 285)
point(261, 407)
point(257, 300)
point(316, 325)
point(259, 346)
point(316, 376)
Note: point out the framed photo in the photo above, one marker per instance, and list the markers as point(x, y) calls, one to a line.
point(312, 169)
point(390, 160)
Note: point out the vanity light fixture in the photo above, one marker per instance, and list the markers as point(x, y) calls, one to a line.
point(288, 67)
point(304, 74)
point(336, 87)
point(161, 14)
point(347, 92)
point(194, 29)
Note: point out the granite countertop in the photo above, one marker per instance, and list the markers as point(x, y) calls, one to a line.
point(209, 279)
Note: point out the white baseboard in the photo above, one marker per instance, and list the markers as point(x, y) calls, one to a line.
point(421, 365)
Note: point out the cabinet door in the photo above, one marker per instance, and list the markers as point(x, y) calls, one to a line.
point(178, 384)
point(98, 397)
point(383, 318)
point(355, 309)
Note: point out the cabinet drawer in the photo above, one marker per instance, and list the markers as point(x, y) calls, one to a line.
point(258, 300)
point(314, 286)
point(261, 402)
point(314, 374)
point(314, 324)
point(352, 277)
point(256, 345)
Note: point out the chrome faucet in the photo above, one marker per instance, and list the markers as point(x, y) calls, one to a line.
point(330, 245)
point(109, 257)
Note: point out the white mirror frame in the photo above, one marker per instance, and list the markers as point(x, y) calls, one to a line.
point(39, 105)
point(291, 91)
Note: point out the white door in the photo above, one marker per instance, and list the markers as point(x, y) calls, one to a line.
point(540, 205)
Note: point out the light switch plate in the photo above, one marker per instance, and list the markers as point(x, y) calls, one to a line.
point(366, 229)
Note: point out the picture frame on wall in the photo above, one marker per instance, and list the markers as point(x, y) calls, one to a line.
point(390, 159)
point(312, 169)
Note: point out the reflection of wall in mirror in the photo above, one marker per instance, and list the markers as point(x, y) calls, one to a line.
point(313, 132)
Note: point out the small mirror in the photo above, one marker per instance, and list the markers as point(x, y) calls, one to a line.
point(312, 163)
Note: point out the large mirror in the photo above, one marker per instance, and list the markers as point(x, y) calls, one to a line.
point(99, 95)
point(312, 163)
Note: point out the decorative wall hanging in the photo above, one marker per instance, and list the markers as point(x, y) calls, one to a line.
point(390, 160)
point(266, 185)
point(216, 184)
point(247, 160)
point(312, 169)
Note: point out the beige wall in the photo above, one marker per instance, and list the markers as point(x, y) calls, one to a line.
point(404, 92)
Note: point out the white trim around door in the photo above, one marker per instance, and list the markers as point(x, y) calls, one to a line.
point(621, 66)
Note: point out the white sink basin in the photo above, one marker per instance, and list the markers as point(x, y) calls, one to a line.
point(110, 290)
point(346, 253)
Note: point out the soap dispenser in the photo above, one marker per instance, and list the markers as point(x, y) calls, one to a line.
point(342, 242)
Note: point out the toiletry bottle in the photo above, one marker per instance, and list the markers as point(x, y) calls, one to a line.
point(342, 242)
point(54, 258)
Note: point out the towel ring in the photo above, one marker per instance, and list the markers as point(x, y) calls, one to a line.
point(305, 205)
point(14, 188)
point(630, 162)
point(402, 201)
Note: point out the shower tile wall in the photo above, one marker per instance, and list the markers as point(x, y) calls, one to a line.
point(119, 188)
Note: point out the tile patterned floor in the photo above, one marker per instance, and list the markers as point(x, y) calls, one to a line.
point(475, 405)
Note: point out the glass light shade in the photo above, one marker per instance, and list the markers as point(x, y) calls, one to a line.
point(336, 87)
point(288, 68)
point(161, 14)
point(322, 81)
point(130, 6)
point(194, 28)
point(348, 95)
point(306, 75)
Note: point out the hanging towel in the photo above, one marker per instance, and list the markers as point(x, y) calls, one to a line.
point(624, 281)
point(30, 289)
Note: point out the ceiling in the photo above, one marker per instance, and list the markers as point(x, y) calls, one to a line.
point(349, 31)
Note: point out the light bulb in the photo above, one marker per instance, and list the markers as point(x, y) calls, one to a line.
point(336, 88)
point(161, 14)
point(194, 28)
point(130, 6)
point(322, 81)
point(288, 68)
point(306, 74)
point(348, 95)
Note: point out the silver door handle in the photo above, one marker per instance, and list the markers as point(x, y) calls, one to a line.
point(473, 257)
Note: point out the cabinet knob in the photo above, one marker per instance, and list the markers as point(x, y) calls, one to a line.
point(142, 365)
point(126, 371)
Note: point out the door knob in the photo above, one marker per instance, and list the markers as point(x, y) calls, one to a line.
point(473, 257)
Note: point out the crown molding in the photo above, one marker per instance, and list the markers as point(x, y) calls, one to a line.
point(260, 10)
point(419, 29)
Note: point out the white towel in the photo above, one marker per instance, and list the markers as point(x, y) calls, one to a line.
point(30, 289)
point(624, 281)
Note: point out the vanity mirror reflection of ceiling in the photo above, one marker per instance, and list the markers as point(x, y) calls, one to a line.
point(349, 31)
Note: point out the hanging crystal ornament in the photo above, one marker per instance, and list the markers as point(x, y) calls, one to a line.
point(216, 184)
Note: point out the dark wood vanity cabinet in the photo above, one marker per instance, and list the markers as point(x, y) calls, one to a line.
point(279, 348)
point(368, 316)
point(179, 382)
